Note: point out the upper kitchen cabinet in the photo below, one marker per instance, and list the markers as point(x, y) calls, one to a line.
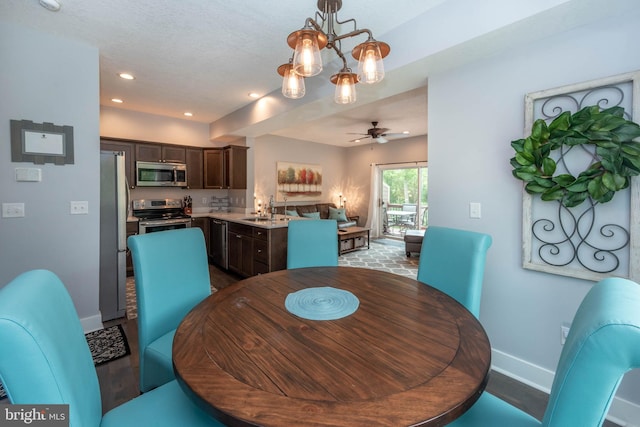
point(214, 168)
point(194, 168)
point(161, 153)
point(235, 162)
point(128, 148)
point(226, 167)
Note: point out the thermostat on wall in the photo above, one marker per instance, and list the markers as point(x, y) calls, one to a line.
point(29, 174)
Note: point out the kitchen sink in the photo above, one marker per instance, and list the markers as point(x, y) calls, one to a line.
point(257, 219)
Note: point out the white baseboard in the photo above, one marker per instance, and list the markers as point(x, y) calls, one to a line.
point(622, 412)
point(93, 323)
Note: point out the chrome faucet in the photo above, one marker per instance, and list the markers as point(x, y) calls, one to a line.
point(272, 208)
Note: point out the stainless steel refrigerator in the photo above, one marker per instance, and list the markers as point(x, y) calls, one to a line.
point(113, 235)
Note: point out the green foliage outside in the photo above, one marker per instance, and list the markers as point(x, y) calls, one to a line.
point(403, 185)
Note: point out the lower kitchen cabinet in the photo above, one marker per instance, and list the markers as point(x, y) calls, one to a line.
point(240, 249)
point(256, 250)
point(203, 224)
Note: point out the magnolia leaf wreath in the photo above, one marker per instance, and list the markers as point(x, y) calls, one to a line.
point(616, 157)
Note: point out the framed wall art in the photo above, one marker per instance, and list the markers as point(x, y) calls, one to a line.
point(41, 143)
point(594, 235)
point(298, 182)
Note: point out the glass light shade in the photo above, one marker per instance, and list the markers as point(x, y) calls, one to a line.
point(370, 66)
point(292, 83)
point(345, 88)
point(306, 57)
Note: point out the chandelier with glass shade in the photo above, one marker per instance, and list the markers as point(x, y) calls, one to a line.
point(319, 33)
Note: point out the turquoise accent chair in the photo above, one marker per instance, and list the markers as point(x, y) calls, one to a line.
point(172, 275)
point(45, 359)
point(452, 261)
point(603, 344)
point(312, 243)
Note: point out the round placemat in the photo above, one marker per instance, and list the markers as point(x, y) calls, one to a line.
point(322, 303)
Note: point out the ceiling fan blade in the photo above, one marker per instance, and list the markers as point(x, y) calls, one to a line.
point(361, 138)
point(395, 135)
point(380, 131)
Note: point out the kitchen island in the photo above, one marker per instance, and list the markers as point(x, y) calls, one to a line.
point(250, 244)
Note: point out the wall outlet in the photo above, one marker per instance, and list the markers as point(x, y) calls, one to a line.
point(564, 330)
point(79, 207)
point(12, 210)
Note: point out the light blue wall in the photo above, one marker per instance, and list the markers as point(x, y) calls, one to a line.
point(475, 111)
point(48, 79)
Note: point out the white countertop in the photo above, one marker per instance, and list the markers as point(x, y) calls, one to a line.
point(242, 218)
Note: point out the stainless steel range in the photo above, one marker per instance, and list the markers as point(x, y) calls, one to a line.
point(160, 215)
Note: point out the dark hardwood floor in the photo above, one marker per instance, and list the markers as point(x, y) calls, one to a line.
point(119, 378)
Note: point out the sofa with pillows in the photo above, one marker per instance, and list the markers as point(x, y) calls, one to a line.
point(320, 211)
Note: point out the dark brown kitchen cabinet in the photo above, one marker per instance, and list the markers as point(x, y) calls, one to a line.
point(214, 168)
point(226, 167)
point(269, 249)
point(240, 240)
point(203, 224)
point(235, 164)
point(160, 153)
point(194, 167)
point(256, 250)
point(128, 148)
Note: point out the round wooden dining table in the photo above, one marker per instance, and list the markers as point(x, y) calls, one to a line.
point(409, 354)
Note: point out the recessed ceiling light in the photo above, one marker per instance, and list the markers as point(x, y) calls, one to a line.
point(188, 114)
point(126, 76)
point(117, 100)
point(253, 95)
point(406, 132)
point(51, 5)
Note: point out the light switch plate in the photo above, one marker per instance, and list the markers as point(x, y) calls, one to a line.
point(12, 210)
point(29, 174)
point(475, 210)
point(79, 207)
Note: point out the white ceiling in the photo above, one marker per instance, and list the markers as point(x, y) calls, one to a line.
point(205, 56)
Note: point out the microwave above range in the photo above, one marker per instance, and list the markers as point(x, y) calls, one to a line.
point(156, 174)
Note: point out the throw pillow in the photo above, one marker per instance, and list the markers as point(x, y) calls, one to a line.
point(292, 213)
point(337, 214)
point(314, 215)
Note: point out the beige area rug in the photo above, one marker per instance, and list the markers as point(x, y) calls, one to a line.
point(384, 255)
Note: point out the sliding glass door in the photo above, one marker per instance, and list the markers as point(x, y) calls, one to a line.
point(403, 199)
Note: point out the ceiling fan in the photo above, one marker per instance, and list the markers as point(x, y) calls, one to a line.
point(379, 135)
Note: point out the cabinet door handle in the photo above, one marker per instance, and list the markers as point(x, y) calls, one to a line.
point(239, 236)
point(259, 251)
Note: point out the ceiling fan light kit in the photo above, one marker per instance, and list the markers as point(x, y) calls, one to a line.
point(319, 33)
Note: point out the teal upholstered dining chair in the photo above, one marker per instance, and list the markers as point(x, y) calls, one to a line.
point(172, 276)
point(45, 359)
point(603, 344)
point(312, 243)
point(452, 261)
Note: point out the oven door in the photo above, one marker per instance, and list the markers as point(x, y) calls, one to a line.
point(151, 226)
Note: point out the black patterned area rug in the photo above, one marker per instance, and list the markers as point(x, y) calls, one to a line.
point(105, 344)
